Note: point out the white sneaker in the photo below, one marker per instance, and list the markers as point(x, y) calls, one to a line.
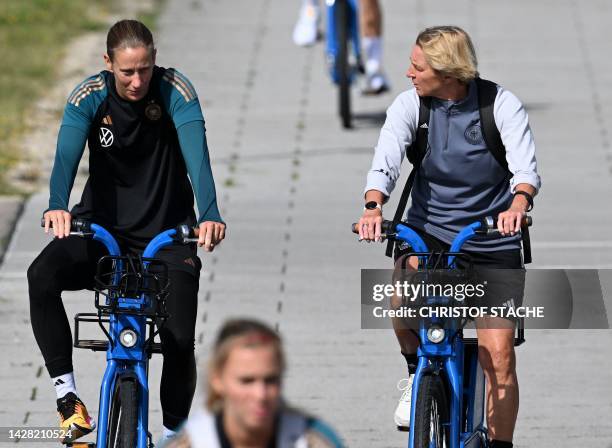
point(402, 412)
point(305, 32)
point(375, 84)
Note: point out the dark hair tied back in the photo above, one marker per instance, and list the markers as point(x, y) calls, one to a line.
point(128, 34)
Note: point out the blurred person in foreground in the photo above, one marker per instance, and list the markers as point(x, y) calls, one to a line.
point(244, 405)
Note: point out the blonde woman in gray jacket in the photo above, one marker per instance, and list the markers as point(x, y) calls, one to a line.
point(458, 182)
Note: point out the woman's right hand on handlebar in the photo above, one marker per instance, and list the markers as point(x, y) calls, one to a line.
point(370, 225)
point(59, 220)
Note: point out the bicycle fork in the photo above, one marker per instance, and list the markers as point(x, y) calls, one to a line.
point(446, 363)
point(457, 365)
point(122, 363)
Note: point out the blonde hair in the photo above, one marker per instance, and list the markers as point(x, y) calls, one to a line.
point(238, 333)
point(449, 51)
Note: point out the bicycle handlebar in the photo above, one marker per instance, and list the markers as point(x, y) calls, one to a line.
point(183, 234)
point(80, 226)
point(488, 226)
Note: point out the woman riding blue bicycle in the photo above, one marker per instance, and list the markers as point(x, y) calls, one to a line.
point(145, 131)
point(458, 180)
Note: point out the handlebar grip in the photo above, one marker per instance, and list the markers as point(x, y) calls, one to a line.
point(186, 234)
point(489, 223)
point(387, 227)
point(76, 225)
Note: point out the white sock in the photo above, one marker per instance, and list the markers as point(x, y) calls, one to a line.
point(314, 3)
point(64, 384)
point(372, 49)
point(168, 433)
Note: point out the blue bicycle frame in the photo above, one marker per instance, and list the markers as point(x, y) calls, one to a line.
point(332, 44)
point(122, 361)
point(455, 361)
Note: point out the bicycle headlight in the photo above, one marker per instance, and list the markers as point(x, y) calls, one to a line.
point(435, 334)
point(128, 338)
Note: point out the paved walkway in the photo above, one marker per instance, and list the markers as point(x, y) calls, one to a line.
point(289, 184)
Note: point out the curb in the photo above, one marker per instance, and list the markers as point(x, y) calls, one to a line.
point(11, 208)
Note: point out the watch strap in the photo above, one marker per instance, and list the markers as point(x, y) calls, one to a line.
point(527, 196)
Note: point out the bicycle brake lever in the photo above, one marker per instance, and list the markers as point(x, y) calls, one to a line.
point(82, 234)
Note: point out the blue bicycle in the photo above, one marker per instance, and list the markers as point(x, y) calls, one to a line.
point(343, 51)
point(448, 392)
point(130, 295)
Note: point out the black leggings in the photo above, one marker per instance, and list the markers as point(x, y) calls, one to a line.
point(69, 264)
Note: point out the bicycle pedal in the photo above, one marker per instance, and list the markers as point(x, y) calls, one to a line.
point(402, 429)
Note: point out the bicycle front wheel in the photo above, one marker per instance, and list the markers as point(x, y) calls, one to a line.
point(123, 418)
point(431, 427)
point(342, 66)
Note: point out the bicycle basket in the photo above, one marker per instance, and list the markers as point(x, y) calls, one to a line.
point(435, 288)
point(131, 285)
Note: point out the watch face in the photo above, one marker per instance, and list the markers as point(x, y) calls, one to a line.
point(371, 205)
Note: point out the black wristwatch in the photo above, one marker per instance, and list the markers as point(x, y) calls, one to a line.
point(372, 205)
point(527, 196)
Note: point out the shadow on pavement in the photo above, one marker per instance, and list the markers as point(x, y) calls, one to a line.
point(365, 120)
point(320, 152)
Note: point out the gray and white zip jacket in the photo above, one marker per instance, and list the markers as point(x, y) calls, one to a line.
point(459, 180)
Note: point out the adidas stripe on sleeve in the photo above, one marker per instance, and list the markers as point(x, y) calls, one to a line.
point(180, 98)
point(78, 114)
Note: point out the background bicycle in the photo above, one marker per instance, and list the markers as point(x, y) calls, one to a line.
point(343, 52)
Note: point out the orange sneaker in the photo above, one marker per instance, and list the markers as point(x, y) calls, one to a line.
point(74, 418)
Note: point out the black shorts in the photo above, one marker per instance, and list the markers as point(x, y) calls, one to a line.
point(178, 257)
point(502, 271)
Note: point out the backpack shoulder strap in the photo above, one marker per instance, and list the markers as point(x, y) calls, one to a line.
point(416, 151)
point(487, 92)
point(415, 154)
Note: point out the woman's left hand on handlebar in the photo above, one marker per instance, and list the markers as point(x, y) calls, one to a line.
point(509, 222)
point(210, 235)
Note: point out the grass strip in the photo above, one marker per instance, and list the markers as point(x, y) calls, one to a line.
point(33, 34)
